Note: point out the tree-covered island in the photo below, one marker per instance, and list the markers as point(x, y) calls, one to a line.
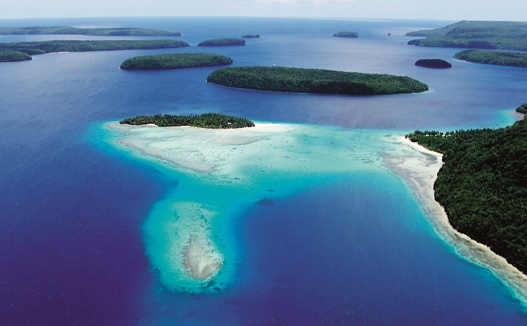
point(175, 61)
point(69, 30)
point(13, 56)
point(251, 36)
point(475, 35)
point(206, 120)
point(346, 34)
point(223, 42)
point(499, 58)
point(300, 80)
point(433, 63)
point(483, 185)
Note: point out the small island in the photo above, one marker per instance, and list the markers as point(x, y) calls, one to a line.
point(223, 42)
point(251, 36)
point(175, 61)
point(499, 58)
point(300, 80)
point(483, 185)
point(522, 109)
point(69, 30)
point(13, 56)
point(206, 120)
point(433, 63)
point(475, 35)
point(346, 34)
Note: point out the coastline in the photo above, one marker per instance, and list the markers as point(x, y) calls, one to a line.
point(419, 170)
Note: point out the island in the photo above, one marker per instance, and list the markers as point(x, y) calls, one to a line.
point(346, 34)
point(223, 42)
point(175, 61)
point(33, 48)
point(522, 109)
point(69, 30)
point(433, 63)
point(206, 120)
point(251, 36)
point(301, 80)
point(13, 56)
point(475, 35)
point(483, 185)
point(499, 58)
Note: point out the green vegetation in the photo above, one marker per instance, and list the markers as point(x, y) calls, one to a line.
point(433, 63)
point(206, 120)
point(33, 48)
point(346, 34)
point(513, 59)
point(63, 30)
point(251, 36)
point(174, 61)
point(476, 35)
point(223, 42)
point(297, 80)
point(12, 56)
point(522, 109)
point(483, 185)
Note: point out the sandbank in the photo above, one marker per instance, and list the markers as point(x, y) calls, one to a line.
point(418, 167)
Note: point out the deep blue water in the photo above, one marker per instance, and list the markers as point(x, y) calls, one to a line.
point(353, 251)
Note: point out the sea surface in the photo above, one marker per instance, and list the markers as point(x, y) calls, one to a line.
point(351, 249)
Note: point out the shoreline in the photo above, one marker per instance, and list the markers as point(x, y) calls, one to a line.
point(419, 172)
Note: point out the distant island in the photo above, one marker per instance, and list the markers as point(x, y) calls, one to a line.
point(206, 120)
point(299, 80)
point(33, 48)
point(346, 34)
point(499, 58)
point(483, 185)
point(475, 35)
point(68, 30)
point(433, 63)
point(13, 56)
point(175, 61)
point(522, 109)
point(223, 42)
point(251, 36)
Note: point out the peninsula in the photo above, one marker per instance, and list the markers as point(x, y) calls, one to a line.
point(433, 63)
point(499, 58)
point(522, 109)
point(223, 42)
point(300, 80)
point(175, 61)
point(475, 35)
point(346, 34)
point(69, 30)
point(206, 120)
point(13, 56)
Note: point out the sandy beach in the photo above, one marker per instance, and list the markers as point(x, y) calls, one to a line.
point(418, 167)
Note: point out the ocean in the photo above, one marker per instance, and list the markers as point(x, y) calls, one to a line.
point(352, 247)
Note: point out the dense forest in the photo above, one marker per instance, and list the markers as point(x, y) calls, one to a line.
point(12, 56)
point(475, 35)
point(206, 120)
point(346, 34)
point(433, 63)
point(68, 30)
point(522, 109)
point(483, 185)
point(33, 48)
point(500, 58)
point(299, 80)
point(175, 61)
point(223, 42)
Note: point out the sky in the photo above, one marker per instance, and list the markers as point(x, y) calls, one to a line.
point(384, 9)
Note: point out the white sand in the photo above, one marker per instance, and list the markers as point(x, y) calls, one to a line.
point(418, 166)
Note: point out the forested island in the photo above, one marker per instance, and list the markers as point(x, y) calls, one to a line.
point(433, 63)
point(175, 61)
point(483, 185)
point(475, 35)
point(32, 48)
point(251, 36)
point(223, 42)
point(346, 34)
point(499, 58)
point(206, 120)
point(300, 80)
point(13, 56)
point(522, 109)
point(69, 30)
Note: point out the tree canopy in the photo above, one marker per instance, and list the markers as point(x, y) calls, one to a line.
point(206, 120)
point(499, 58)
point(175, 61)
